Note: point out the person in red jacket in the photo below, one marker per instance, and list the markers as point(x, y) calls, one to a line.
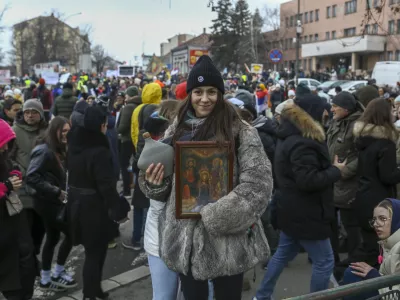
point(44, 95)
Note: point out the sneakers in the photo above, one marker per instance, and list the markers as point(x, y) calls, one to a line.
point(133, 246)
point(50, 286)
point(64, 281)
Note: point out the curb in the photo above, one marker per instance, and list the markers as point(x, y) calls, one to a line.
point(114, 282)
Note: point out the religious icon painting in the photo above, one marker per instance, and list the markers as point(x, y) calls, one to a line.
point(204, 174)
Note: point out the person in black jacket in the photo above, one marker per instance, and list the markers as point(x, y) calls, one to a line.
point(47, 176)
point(305, 176)
point(94, 207)
point(376, 139)
point(17, 258)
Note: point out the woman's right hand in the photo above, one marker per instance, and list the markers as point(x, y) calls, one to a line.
point(155, 174)
point(16, 182)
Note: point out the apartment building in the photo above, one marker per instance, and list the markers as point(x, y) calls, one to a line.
point(336, 32)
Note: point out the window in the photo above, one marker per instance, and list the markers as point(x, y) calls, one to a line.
point(301, 18)
point(398, 27)
point(391, 27)
point(311, 16)
point(291, 21)
point(328, 12)
point(285, 42)
point(397, 55)
point(316, 37)
point(327, 35)
point(391, 2)
point(375, 29)
point(334, 34)
point(381, 56)
point(350, 31)
point(334, 9)
point(390, 55)
point(287, 22)
point(305, 17)
point(310, 66)
point(367, 29)
point(373, 3)
point(304, 64)
point(316, 15)
point(350, 7)
point(306, 39)
point(311, 38)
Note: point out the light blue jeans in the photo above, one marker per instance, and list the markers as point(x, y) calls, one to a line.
point(320, 252)
point(165, 282)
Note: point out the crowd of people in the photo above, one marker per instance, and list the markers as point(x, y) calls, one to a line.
point(309, 173)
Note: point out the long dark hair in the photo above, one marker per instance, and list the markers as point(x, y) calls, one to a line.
point(379, 113)
point(52, 136)
point(219, 122)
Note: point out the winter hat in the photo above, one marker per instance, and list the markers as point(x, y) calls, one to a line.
point(291, 93)
point(251, 109)
point(81, 106)
point(345, 100)
point(312, 105)
point(246, 97)
point(302, 89)
point(67, 85)
point(77, 116)
point(277, 86)
point(34, 104)
point(17, 92)
point(204, 73)
point(261, 86)
point(152, 94)
point(94, 117)
point(9, 93)
point(132, 91)
point(42, 81)
point(6, 133)
point(366, 94)
point(180, 91)
point(137, 81)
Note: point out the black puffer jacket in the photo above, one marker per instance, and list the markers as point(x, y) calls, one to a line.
point(46, 175)
point(64, 104)
point(266, 129)
point(305, 177)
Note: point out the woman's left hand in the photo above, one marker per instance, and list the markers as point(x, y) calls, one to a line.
point(361, 269)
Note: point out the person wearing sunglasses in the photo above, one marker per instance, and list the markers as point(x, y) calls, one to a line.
point(386, 223)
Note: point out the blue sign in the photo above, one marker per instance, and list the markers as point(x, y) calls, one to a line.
point(275, 56)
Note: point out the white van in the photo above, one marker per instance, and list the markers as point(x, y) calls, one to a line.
point(387, 72)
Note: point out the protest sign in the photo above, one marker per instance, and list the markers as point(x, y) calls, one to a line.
point(50, 77)
point(5, 77)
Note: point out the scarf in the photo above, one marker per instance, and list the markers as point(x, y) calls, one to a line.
point(193, 123)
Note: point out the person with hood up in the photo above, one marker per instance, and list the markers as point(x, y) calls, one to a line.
point(376, 138)
point(94, 207)
point(346, 111)
point(28, 126)
point(44, 95)
point(276, 96)
point(366, 94)
point(78, 113)
point(247, 97)
point(64, 104)
point(180, 91)
point(124, 130)
point(386, 224)
point(304, 175)
point(17, 258)
point(228, 240)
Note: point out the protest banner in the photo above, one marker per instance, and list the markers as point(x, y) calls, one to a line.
point(257, 68)
point(50, 77)
point(5, 77)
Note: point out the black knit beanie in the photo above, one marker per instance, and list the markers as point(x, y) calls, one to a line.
point(302, 89)
point(345, 100)
point(312, 104)
point(204, 73)
point(94, 117)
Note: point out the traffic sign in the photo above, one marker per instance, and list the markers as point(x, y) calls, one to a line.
point(275, 56)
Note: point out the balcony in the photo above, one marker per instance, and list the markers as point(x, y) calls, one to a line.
point(368, 43)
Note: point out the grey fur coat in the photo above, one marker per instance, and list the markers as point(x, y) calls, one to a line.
point(219, 244)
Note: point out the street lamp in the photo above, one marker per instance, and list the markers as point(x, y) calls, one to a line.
point(299, 31)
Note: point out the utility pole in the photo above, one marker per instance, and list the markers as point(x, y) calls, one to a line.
point(298, 34)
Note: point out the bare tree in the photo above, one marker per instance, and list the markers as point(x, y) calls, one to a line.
point(99, 57)
point(272, 23)
point(2, 28)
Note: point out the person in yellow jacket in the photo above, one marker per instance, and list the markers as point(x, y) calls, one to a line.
point(151, 96)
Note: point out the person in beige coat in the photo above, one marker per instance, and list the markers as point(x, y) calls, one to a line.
point(386, 222)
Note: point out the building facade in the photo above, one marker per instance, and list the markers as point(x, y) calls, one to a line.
point(175, 41)
point(47, 38)
point(332, 34)
point(185, 56)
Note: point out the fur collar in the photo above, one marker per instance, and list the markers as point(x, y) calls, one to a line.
point(378, 132)
point(308, 127)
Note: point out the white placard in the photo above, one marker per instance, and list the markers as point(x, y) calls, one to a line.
point(64, 77)
point(5, 77)
point(257, 68)
point(112, 73)
point(50, 77)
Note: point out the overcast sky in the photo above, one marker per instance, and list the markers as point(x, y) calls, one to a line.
point(124, 27)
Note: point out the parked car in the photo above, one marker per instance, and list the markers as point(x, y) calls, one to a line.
point(350, 86)
point(328, 85)
point(309, 81)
